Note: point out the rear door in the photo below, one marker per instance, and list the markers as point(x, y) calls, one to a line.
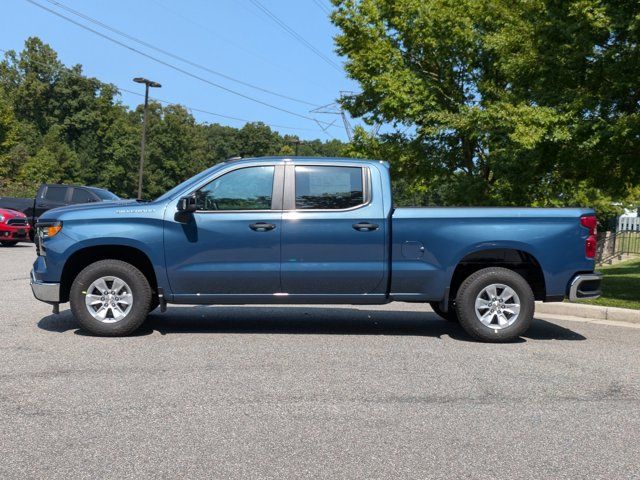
point(333, 231)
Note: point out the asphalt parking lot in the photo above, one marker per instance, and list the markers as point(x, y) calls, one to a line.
point(317, 391)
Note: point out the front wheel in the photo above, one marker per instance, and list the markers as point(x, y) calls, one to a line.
point(110, 298)
point(495, 305)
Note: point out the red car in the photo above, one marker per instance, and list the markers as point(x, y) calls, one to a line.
point(14, 227)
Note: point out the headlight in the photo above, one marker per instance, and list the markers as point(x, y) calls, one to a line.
point(44, 230)
point(1, 218)
point(48, 229)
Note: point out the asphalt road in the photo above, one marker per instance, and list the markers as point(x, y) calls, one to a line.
point(317, 391)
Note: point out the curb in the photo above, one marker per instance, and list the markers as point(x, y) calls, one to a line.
point(589, 311)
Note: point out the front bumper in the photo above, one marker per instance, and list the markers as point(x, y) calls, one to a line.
point(10, 233)
point(585, 285)
point(45, 292)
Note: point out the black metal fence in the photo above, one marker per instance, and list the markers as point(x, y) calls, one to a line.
point(613, 245)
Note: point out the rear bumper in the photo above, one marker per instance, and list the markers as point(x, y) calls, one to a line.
point(585, 285)
point(45, 292)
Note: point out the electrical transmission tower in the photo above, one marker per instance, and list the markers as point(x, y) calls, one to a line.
point(335, 108)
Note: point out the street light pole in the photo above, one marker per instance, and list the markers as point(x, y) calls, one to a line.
point(147, 84)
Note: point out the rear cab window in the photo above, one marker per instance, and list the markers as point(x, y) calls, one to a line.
point(319, 187)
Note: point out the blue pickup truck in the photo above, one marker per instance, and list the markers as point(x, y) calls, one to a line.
point(310, 230)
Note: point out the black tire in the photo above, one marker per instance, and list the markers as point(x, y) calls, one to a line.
point(451, 315)
point(140, 291)
point(8, 243)
point(473, 286)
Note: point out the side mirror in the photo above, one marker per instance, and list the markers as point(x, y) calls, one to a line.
point(187, 204)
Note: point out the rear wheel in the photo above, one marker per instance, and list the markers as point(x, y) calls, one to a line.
point(449, 315)
point(110, 298)
point(495, 305)
point(8, 243)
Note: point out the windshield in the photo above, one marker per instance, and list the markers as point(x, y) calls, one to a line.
point(193, 180)
point(105, 194)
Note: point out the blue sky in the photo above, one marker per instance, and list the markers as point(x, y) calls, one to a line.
point(233, 37)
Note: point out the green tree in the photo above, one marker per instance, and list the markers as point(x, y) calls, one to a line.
point(7, 132)
point(257, 139)
point(58, 125)
point(221, 143)
point(54, 162)
point(498, 102)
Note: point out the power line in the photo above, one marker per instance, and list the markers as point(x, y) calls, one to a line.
point(68, 71)
point(218, 35)
point(294, 34)
point(217, 114)
point(171, 66)
point(212, 31)
point(172, 55)
point(322, 6)
point(267, 61)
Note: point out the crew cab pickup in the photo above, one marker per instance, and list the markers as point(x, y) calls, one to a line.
point(53, 196)
point(310, 230)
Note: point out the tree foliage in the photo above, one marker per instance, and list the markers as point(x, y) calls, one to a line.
point(57, 125)
point(506, 102)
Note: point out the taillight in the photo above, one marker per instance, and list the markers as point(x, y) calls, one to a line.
point(590, 244)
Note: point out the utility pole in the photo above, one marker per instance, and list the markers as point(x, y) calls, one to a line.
point(147, 83)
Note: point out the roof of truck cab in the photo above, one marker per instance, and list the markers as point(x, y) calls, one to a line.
point(280, 158)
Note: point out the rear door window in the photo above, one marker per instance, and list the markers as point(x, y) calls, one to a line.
point(56, 194)
point(328, 188)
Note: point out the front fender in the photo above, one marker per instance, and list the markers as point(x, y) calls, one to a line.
point(143, 236)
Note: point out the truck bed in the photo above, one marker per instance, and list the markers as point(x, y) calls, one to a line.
point(428, 244)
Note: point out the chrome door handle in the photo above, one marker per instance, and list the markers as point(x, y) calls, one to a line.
point(365, 226)
point(262, 226)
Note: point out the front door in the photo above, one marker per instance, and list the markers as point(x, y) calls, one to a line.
point(231, 244)
point(333, 232)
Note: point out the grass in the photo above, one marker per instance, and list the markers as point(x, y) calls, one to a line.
point(620, 285)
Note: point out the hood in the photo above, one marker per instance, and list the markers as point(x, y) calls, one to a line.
point(56, 213)
point(8, 213)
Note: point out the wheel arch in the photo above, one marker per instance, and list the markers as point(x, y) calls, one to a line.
point(513, 257)
point(85, 256)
